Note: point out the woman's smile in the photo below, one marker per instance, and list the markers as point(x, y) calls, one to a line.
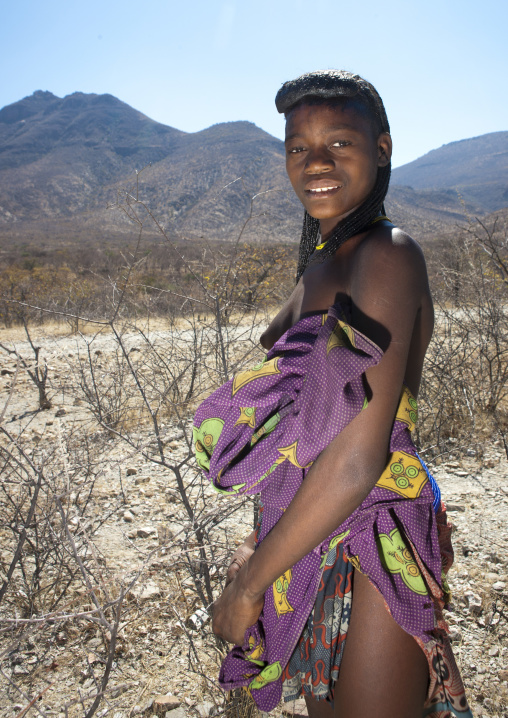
point(319, 189)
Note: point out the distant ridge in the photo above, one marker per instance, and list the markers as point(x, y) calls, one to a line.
point(63, 158)
point(44, 124)
point(476, 167)
point(62, 161)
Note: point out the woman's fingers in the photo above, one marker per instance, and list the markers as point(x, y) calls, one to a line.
point(233, 613)
point(236, 610)
point(238, 559)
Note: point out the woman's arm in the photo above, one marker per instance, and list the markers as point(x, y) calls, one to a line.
point(388, 283)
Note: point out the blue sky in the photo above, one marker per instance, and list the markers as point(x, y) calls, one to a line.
point(440, 66)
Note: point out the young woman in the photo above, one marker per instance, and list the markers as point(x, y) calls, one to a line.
point(362, 288)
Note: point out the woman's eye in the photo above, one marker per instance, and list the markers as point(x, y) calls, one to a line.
point(341, 143)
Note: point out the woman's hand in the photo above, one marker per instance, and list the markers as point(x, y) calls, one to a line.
point(240, 557)
point(236, 609)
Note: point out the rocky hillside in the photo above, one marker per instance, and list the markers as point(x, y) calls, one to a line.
point(64, 161)
point(476, 167)
point(55, 154)
point(67, 158)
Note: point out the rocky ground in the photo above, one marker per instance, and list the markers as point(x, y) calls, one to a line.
point(164, 663)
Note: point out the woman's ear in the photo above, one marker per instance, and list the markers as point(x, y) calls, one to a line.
point(384, 148)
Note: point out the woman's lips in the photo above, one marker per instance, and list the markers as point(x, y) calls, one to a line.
point(322, 191)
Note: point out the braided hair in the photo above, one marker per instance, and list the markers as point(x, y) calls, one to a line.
point(329, 87)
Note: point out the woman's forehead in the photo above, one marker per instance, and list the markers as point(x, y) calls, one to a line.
point(346, 113)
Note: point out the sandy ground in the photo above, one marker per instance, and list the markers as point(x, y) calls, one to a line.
point(144, 523)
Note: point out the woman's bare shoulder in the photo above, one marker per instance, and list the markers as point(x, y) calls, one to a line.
point(387, 255)
point(391, 242)
point(389, 288)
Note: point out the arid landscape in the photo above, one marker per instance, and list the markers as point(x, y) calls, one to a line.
point(122, 591)
point(116, 322)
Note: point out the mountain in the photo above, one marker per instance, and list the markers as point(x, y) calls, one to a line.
point(64, 161)
point(43, 126)
point(214, 179)
point(477, 168)
point(68, 158)
point(56, 153)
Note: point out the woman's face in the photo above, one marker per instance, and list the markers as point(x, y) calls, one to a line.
point(332, 159)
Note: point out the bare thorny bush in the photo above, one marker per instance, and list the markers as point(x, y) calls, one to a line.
point(464, 393)
point(141, 380)
point(54, 579)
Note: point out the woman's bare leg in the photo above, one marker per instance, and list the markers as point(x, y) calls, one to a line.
point(383, 671)
point(318, 709)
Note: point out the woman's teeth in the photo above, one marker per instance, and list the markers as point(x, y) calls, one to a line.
point(322, 189)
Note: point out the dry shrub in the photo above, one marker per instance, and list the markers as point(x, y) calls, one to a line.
point(139, 382)
point(464, 392)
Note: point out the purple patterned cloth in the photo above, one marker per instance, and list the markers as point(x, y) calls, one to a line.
point(260, 433)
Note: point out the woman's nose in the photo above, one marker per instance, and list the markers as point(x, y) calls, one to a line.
point(318, 161)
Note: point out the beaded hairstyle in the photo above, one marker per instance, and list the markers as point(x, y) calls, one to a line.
point(325, 87)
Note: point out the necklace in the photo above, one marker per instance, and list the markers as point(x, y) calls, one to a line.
point(376, 219)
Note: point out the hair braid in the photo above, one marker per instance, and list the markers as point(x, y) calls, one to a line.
point(325, 87)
